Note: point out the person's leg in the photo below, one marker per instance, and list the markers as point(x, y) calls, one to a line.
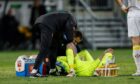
point(46, 38)
point(107, 57)
point(53, 52)
point(134, 33)
point(85, 68)
point(52, 57)
point(85, 54)
point(64, 58)
point(136, 53)
point(63, 63)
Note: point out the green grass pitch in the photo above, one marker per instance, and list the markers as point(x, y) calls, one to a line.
point(123, 59)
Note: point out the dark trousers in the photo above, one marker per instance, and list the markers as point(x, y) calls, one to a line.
point(50, 41)
point(48, 47)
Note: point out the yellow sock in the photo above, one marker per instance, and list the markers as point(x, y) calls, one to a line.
point(136, 56)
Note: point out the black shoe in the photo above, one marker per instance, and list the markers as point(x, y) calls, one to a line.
point(35, 75)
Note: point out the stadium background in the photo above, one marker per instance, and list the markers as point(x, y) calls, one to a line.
point(101, 21)
point(103, 25)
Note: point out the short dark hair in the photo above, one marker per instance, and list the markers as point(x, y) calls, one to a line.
point(78, 34)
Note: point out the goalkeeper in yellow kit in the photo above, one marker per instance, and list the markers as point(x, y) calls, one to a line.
point(82, 63)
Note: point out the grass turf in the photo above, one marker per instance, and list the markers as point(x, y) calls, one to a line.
point(123, 59)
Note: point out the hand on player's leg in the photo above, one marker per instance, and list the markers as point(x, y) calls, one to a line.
point(109, 50)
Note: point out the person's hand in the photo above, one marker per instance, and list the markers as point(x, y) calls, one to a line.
point(109, 50)
point(124, 8)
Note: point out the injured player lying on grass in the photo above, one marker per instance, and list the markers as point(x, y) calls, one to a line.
point(82, 63)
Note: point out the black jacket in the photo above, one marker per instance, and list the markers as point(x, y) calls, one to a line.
point(57, 21)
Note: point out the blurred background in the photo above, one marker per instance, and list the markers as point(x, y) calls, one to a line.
point(101, 21)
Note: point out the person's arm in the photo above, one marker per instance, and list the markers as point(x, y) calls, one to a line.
point(124, 8)
point(71, 26)
point(70, 54)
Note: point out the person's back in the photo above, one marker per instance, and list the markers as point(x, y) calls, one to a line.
point(57, 21)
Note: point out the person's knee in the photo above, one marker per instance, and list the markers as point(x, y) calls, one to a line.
point(136, 40)
point(42, 54)
point(85, 51)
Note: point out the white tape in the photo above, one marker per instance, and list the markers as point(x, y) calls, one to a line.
point(123, 7)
